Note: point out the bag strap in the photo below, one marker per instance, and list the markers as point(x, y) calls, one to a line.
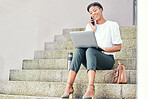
point(112, 72)
point(108, 75)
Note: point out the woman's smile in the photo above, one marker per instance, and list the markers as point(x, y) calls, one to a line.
point(95, 16)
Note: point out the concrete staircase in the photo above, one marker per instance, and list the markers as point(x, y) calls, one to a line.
point(45, 76)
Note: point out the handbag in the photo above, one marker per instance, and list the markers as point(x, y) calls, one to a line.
point(119, 74)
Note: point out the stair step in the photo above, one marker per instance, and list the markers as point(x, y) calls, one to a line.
point(130, 35)
point(127, 44)
point(128, 53)
point(128, 29)
point(59, 46)
point(123, 29)
point(59, 38)
point(62, 75)
point(56, 89)
point(60, 64)
point(127, 32)
point(58, 54)
point(4, 96)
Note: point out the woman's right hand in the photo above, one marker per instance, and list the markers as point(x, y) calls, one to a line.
point(92, 26)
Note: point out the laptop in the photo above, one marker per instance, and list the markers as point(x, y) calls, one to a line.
point(84, 39)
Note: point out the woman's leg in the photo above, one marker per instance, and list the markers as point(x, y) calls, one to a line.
point(78, 58)
point(90, 89)
point(71, 78)
point(96, 60)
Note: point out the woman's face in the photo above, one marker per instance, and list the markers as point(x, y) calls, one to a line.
point(95, 12)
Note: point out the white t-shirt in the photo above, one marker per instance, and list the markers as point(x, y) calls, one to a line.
point(107, 34)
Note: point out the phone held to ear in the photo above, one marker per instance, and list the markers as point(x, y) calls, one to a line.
point(92, 21)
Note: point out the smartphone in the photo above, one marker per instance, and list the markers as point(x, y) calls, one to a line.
point(92, 21)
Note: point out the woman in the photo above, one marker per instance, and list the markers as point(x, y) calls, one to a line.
point(108, 38)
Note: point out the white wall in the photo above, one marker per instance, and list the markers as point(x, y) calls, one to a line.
point(142, 48)
point(25, 25)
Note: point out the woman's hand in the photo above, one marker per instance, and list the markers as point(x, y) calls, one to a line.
point(92, 26)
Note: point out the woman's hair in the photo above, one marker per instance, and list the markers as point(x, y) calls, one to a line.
point(94, 4)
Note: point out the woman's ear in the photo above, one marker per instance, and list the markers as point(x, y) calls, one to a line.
point(101, 10)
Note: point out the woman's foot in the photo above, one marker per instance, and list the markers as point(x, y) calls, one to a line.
point(68, 91)
point(90, 92)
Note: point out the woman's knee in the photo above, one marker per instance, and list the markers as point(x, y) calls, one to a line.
point(90, 51)
point(79, 51)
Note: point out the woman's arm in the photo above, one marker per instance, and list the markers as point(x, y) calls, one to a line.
point(115, 48)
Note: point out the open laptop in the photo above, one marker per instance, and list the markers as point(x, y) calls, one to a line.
point(84, 39)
